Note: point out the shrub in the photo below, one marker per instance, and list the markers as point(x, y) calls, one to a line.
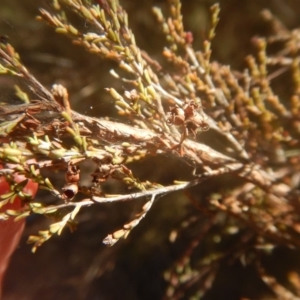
point(228, 139)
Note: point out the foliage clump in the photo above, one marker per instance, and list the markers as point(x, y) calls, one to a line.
point(230, 129)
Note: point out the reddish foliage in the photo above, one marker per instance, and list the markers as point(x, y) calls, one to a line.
point(11, 231)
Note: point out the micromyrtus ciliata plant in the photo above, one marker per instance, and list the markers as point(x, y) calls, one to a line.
point(236, 137)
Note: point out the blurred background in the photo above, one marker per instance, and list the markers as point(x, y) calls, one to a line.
point(77, 265)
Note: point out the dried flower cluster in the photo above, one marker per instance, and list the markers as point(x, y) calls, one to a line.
point(250, 134)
